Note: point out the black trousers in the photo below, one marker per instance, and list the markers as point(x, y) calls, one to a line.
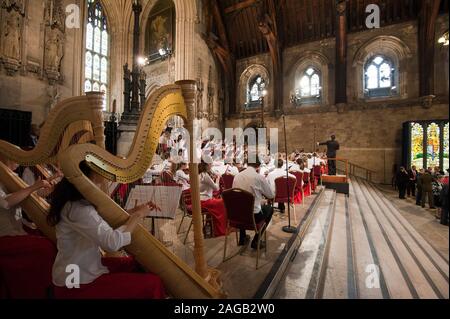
point(281, 207)
point(411, 189)
point(265, 214)
point(401, 191)
point(331, 167)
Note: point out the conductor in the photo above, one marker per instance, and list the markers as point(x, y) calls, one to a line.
point(332, 148)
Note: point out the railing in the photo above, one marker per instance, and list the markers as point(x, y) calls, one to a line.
point(345, 171)
point(358, 171)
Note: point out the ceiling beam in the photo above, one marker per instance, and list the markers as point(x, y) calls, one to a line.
point(220, 47)
point(240, 5)
point(269, 24)
point(427, 42)
point(341, 53)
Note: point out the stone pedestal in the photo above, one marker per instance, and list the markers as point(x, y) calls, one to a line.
point(127, 133)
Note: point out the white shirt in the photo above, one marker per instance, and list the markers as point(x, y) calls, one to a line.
point(277, 172)
point(207, 187)
point(10, 217)
point(231, 170)
point(252, 182)
point(80, 235)
point(182, 178)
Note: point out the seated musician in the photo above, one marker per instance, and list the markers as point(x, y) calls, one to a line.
point(231, 169)
point(81, 234)
point(10, 214)
point(182, 176)
point(251, 181)
point(280, 171)
point(209, 184)
point(25, 260)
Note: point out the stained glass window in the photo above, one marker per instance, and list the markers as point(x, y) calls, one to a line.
point(445, 146)
point(255, 91)
point(417, 145)
point(379, 75)
point(433, 145)
point(97, 50)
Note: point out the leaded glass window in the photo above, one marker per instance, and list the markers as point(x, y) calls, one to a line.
point(255, 91)
point(97, 50)
point(380, 77)
point(417, 154)
point(433, 145)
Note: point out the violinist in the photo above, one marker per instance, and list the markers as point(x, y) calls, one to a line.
point(182, 176)
point(209, 183)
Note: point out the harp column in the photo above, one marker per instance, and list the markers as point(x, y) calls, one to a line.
point(189, 88)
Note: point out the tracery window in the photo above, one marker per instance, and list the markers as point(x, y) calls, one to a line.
point(380, 77)
point(255, 91)
point(97, 50)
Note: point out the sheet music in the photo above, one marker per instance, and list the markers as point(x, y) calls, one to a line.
point(165, 197)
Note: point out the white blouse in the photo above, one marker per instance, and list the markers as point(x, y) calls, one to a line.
point(80, 235)
point(207, 187)
point(182, 178)
point(10, 217)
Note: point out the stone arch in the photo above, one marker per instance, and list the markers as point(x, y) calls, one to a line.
point(246, 76)
point(389, 46)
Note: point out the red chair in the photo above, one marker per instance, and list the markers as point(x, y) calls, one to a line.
point(306, 184)
point(26, 267)
point(228, 180)
point(317, 172)
point(240, 210)
point(299, 185)
point(285, 192)
point(186, 206)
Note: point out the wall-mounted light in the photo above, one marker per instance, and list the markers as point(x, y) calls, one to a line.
point(444, 39)
point(142, 61)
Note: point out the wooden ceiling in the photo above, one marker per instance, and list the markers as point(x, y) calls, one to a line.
point(302, 21)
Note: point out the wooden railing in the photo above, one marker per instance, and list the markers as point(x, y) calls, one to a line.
point(357, 170)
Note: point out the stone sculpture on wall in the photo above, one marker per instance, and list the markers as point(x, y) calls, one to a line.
point(12, 12)
point(54, 40)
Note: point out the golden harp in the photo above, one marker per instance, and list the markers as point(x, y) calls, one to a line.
point(179, 279)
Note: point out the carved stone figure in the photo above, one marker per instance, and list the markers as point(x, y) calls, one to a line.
point(11, 35)
point(54, 50)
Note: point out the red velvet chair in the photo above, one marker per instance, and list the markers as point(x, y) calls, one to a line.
point(228, 180)
point(285, 192)
point(299, 192)
point(26, 267)
point(186, 201)
point(240, 206)
point(317, 173)
point(306, 184)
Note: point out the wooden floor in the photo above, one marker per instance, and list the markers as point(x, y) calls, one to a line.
point(369, 245)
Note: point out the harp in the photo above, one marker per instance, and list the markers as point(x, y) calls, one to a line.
point(180, 280)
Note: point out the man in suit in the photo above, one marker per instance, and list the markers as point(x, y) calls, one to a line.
point(419, 187)
point(426, 182)
point(411, 189)
point(332, 148)
point(402, 182)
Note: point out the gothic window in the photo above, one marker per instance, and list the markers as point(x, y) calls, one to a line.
point(255, 91)
point(308, 89)
point(97, 50)
point(380, 77)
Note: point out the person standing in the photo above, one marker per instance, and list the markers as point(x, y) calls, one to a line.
point(426, 181)
point(402, 182)
point(332, 148)
point(419, 187)
point(411, 189)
